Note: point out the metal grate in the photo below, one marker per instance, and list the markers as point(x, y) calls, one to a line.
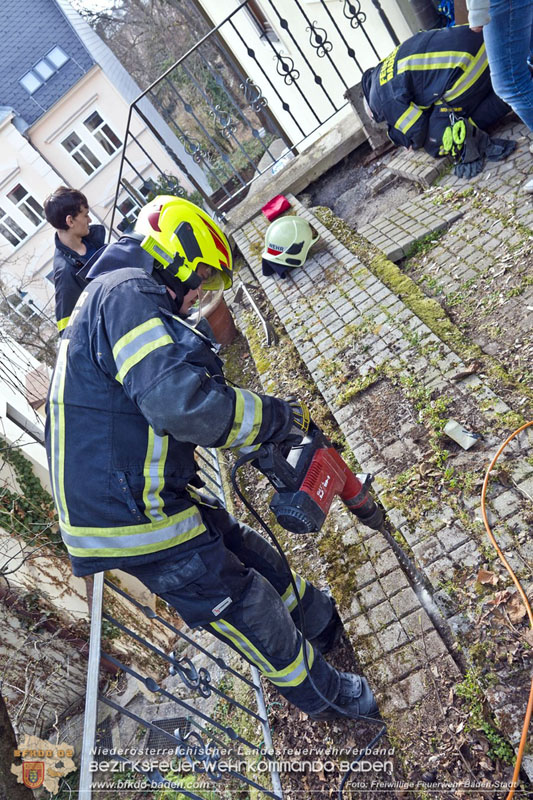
point(103, 739)
point(158, 741)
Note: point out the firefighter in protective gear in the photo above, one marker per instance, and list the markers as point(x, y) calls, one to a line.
point(428, 77)
point(135, 389)
point(287, 243)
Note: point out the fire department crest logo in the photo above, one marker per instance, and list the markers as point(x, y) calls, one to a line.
point(33, 774)
point(43, 763)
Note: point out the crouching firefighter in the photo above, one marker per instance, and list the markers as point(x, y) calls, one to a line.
point(135, 388)
point(432, 77)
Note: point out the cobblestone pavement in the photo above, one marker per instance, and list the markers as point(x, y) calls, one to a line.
point(412, 221)
point(391, 383)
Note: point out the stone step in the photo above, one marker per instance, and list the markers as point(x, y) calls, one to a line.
point(418, 166)
point(397, 233)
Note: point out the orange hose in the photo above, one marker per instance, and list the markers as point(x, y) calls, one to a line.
point(522, 594)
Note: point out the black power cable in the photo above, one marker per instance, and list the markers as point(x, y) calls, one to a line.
point(244, 459)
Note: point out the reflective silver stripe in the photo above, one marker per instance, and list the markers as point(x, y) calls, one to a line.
point(160, 252)
point(470, 76)
point(103, 538)
point(244, 645)
point(57, 430)
point(249, 449)
point(408, 118)
point(154, 471)
point(292, 675)
point(441, 60)
point(298, 673)
point(248, 418)
point(289, 597)
point(145, 337)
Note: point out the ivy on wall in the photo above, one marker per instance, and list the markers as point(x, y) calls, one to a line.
point(30, 513)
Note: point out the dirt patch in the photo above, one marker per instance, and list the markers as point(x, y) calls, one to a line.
point(351, 189)
point(386, 414)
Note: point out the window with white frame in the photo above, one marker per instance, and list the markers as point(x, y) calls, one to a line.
point(102, 133)
point(44, 69)
point(27, 204)
point(92, 143)
point(17, 305)
point(81, 153)
point(129, 209)
point(261, 21)
point(10, 229)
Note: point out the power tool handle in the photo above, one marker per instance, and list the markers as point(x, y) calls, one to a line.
point(271, 460)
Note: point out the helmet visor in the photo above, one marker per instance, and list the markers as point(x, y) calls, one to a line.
point(212, 279)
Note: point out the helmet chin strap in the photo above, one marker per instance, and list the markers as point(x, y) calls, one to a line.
point(193, 281)
point(198, 313)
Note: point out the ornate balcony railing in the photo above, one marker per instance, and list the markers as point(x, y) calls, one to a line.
point(252, 92)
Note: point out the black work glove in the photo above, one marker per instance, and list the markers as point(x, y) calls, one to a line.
point(474, 145)
point(300, 420)
point(498, 149)
point(468, 170)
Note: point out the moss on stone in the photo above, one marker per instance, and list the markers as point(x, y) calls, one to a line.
point(426, 308)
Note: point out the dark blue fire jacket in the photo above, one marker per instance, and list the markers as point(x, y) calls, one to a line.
point(428, 76)
point(67, 264)
point(135, 388)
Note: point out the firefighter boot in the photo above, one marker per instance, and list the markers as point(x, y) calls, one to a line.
point(354, 697)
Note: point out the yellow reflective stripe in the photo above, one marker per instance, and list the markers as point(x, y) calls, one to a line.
point(289, 597)
point(445, 59)
point(237, 418)
point(292, 675)
point(475, 70)
point(62, 323)
point(154, 475)
point(140, 354)
point(131, 540)
point(131, 335)
point(247, 419)
point(408, 118)
point(295, 673)
point(57, 431)
point(243, 644)
point(137, 344)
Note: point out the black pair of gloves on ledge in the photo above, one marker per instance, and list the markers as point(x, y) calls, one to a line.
point(477, 147)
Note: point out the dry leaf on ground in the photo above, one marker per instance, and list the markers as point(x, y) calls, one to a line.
point(484, 576)
point(515, 609)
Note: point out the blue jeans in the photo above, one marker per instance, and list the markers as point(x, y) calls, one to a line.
point(508, 39)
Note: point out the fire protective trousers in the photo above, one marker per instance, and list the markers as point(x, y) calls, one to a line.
point(234, 584)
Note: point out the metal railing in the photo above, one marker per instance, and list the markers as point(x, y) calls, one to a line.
point(247, 96)
point(196, 734)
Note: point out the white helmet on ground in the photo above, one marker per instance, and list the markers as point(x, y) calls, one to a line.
point(287, 243)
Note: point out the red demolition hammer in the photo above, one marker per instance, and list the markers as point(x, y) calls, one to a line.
point(307, 477)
